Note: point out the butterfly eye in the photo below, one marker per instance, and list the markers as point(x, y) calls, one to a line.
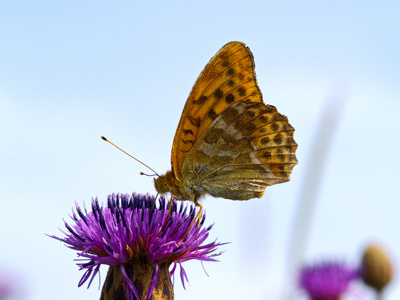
point(162, 185)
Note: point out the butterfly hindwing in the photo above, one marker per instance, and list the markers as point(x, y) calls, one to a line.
point(246, 148)
point(228, 78)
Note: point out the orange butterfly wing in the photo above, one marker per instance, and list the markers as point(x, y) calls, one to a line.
point(228, 78)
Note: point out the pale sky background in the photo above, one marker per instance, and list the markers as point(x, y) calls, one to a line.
point(71, 71)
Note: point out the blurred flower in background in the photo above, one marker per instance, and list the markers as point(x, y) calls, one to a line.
point(6, 287)
point(327, 280)
point(139, 238)
point(12, 285)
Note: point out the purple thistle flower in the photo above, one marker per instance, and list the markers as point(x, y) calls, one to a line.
point(136, 231)
point(326, 280)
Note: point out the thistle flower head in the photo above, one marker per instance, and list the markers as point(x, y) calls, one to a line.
point(326, 280)
point(136, 227)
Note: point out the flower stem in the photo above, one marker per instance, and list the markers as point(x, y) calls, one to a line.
point(140, 273)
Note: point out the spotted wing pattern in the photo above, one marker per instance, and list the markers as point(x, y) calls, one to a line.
point(227, 79)
point(246, 148)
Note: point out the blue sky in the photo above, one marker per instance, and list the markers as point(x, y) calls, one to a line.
point(75, 70)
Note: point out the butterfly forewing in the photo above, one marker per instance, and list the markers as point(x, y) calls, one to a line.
point(228, 78)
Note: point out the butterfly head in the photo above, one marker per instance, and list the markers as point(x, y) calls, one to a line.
point(162, 183)
point(169, 184)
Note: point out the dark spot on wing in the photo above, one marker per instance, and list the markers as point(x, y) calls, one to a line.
point(213, 136)
point(265, 140)
point(212, 114)
point(230, 115)
point(278, 139)
point(280, 155)
point(187, 141)
point(231, 83)
point(218, 93)
point(249, 128)
point(274, 127)
point(263, 119)
point(226, 64)
point(262, 130)
point(242, 91)
point(250, 114)
point(230, 72)
point(201, 100)
point(229, 98)
point(187, 131)
point(267, 155)
point(195, 121)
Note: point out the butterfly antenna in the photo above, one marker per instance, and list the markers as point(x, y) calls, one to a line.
point(105, 139)
point(141, 173)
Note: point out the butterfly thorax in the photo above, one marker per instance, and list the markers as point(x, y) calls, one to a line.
point(179, 189)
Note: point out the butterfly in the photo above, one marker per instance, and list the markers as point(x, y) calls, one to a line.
point(228, 143)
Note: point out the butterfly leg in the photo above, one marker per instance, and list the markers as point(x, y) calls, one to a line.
point(154, 203)
point(197, 220)
point(198, 216)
